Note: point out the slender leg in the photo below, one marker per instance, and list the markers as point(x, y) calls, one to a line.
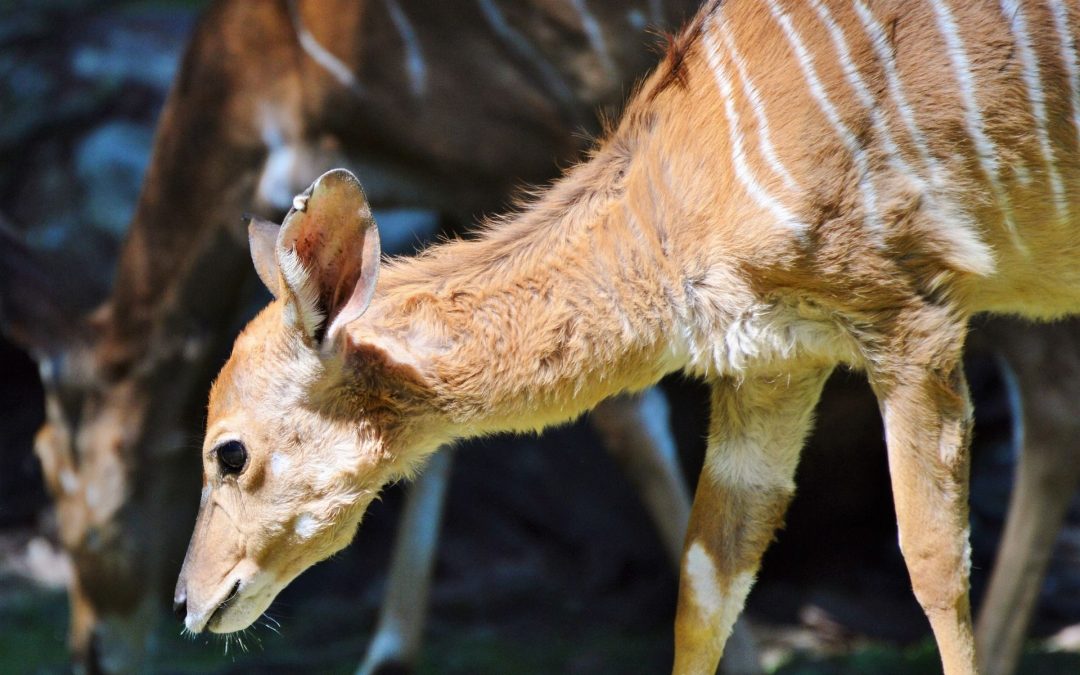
point(928, 427)
point(757, 430)
point(401, 618)
point(1046, 480)
point(636, 431)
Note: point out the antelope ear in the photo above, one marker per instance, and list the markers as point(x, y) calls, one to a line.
point(262, 239)
point(328, 253)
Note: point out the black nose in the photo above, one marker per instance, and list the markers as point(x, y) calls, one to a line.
point(179, 608)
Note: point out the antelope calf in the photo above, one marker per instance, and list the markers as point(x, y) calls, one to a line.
point(799, 185)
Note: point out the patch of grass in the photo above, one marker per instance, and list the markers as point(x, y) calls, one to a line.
point(33, 638)
point(921, 659)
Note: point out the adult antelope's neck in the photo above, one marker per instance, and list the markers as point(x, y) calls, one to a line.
point(183, 261)
point(548, 312)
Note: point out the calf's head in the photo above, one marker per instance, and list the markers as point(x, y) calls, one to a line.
point(306, 420)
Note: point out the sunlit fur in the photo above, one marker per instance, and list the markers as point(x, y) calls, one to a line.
point(655, 256)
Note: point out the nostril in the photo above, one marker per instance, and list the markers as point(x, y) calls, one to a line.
point(179, 608)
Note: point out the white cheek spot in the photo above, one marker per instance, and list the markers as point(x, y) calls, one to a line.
point(704, 582)
point(279, 464)
point(93, 496)
point(204, 496)
point(305, 527)
point(68, 481)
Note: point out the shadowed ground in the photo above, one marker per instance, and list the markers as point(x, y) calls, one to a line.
point(549, 564)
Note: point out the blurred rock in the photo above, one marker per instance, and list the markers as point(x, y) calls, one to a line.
point(109, 163)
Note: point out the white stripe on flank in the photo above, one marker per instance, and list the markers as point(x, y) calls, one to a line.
point(414, 57)
point(333, 65)
point(595, 36)
point(1029, 60)
point(984, 147)
point(851, 143)
point(738, 153)
point(752, 94)
point(880, 42)
point(1068, 57)
point(970, 253)
point(862, 92)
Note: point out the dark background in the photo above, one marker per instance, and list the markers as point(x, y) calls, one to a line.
point(548, 562)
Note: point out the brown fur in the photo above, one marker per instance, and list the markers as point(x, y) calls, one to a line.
point(126, 385)
point(658, 255)
point(655, 255)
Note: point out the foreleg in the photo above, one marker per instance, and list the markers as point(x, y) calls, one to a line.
point(636, 431)
point(401, 619)
point(757, 430)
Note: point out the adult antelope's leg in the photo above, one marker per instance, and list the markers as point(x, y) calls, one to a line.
point(757, 430)
point(1046, 479)
point(928, 427)
point(401, 618)
point(636, 430)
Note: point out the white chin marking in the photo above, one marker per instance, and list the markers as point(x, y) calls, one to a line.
point(253, 598)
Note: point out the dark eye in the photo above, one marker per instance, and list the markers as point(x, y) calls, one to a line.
point(232, 456)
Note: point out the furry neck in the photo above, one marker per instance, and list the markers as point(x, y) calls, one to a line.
point(541, 318)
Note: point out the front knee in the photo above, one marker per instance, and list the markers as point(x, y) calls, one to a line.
point(939, 577)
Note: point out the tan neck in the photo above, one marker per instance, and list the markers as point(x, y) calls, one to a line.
point(543, 317)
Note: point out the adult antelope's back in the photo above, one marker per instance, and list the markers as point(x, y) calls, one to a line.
point(799, 185)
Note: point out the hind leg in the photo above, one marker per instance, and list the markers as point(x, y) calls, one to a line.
point(1046, 479)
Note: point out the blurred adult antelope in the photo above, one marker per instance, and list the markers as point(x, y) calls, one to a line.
point(852, 194)
point(300, 91)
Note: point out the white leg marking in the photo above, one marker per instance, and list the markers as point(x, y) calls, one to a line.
point(704, 581)
point(752, 94)
point(414, 57)
point(333, 65)
point(717, 605)
point(1029, 60)
point(806, 63)
point(595, 35)
point(984, 147)
point(742, 170)
point(1060, 12)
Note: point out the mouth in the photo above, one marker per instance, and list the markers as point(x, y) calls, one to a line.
point(224, 604)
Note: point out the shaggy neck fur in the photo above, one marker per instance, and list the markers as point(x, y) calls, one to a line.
point(530, 325)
